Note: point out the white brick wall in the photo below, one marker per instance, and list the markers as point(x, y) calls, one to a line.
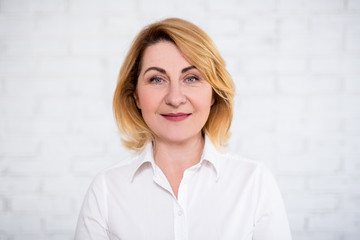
point(296, 64)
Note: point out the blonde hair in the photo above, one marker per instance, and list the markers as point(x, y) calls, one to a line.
point(200, 51)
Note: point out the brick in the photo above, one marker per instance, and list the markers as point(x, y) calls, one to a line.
point(60, 107)
point(224, 26)
point(287, 144)
point(258, 5)
point(3, 236)
point(352, 39)
point(352, 165)
point(66, 186)
point(17, 107)
point(265, 64)
point(291, 124)
point(304, 163)
point(2, 206)
point(350, 105)
point(62, 25)
point(95, 127)
point(294, 44)
point(297, 222)
point(327, 65)
point(73, 144)
point(325, 144)
point(325, 5)
point(250, 145)
point(330, 42)
point(33, 6)
point(157, 5)
point(353, 5)
point(243, 125)
point(19, 185)
point(352, 126)
point(351, 203)
point(60, 224)
point(290, 184)
point(20, 224)
point(335, 184)
point(324, 105)
point(291, 5)
point(82, 86)
point(352, 146)
point(36, 87)
point(40, 205)
point(324, 126)
point(292, 65)
point(318, 235)
point(348, 223)
point(43, 236)
point(328, 23)
point(311, 202)
point(18, 146)
point(293, 25)
point(287, 105)
point(119, 25)
point(352, 84)
point(251, 84)
point(63, 66)
point(108, 46)
point(105, 6)
point(90, 167)
point(351, 65)
point(257, 105)
point(310, 125)
point(27, 127)
point(18, 66)
point(33, 45)
point(39, 166)
point(13, 24)
point(264, 25)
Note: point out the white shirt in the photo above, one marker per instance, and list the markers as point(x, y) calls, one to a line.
point(222, 197)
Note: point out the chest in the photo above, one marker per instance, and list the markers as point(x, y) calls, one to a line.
point(204, 209)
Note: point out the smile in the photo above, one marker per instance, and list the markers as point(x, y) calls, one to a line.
point(176, 116)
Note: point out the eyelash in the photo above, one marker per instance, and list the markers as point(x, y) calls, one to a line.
point(159, 80)
point(192, 77)
point(153, 80)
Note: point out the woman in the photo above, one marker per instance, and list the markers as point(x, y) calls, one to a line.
point(174, 104)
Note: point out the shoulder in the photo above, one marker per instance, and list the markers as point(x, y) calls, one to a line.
point(238, 166)
point(120, 171)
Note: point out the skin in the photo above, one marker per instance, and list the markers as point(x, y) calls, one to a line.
point(175, 102)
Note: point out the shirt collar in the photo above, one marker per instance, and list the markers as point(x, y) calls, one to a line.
point(146, 157)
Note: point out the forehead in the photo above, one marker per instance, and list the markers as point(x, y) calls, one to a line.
point(163, 54)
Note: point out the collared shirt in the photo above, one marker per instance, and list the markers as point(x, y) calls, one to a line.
point(221, 197)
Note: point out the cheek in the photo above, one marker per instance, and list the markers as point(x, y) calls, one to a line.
point(147, 100)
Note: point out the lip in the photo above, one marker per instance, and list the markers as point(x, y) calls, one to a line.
point(176, 116)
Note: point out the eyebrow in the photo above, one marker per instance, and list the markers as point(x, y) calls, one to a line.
point(164, 72)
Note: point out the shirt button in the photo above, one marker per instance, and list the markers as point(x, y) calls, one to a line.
point(180, 213)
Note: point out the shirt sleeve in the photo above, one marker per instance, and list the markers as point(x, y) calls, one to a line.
point(92, 221)
point(270, 218)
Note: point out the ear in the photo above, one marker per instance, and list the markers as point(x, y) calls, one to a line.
point(136, 100)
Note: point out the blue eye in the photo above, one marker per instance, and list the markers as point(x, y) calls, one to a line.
point(156, 80)
point(191, 79)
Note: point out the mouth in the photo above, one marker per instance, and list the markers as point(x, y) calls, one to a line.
point(176, 116)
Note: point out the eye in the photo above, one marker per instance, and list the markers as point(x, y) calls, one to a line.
point(191, 79)
point(156, 80)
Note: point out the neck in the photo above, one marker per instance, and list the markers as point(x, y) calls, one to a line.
point(174, 158)
point(179, 155)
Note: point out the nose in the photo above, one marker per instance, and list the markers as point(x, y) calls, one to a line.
point(175, 96)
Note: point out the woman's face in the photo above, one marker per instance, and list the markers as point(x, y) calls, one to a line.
point(174, 98)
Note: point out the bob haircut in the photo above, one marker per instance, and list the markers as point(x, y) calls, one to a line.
point(199, 50)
